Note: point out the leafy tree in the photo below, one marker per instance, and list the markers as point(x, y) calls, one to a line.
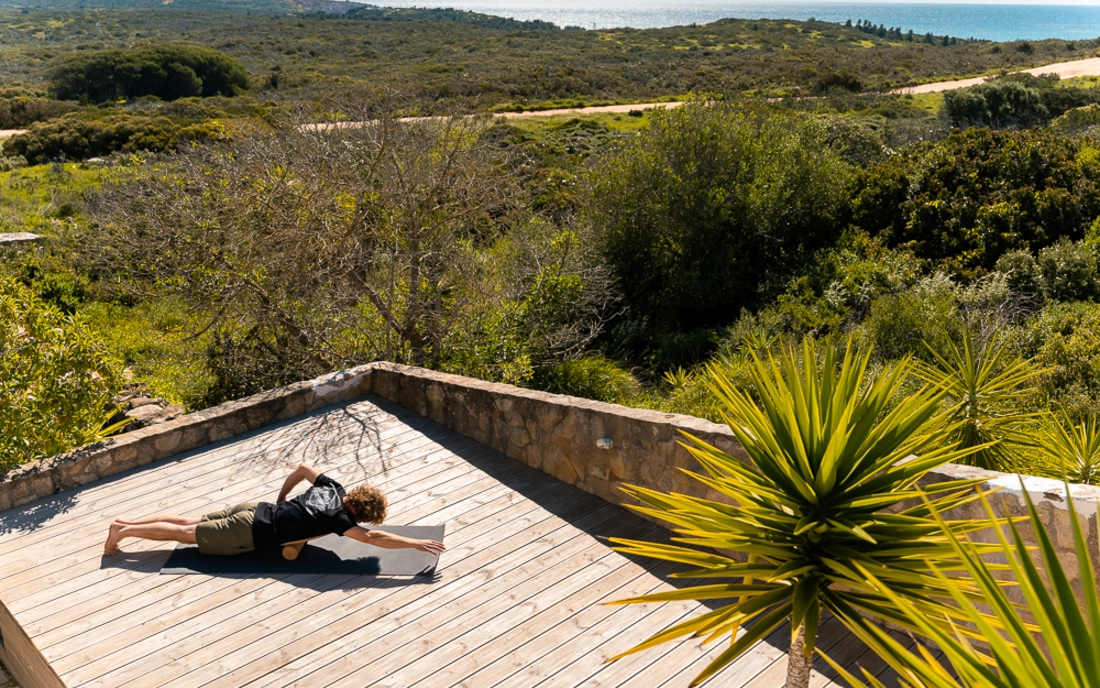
point(822, 491)
point(709, 206)
point(977, 194)
point(165, 71)
point(56, 379)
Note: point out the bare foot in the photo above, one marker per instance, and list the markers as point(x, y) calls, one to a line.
point(113, 538)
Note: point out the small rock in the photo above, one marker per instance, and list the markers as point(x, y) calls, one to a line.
point(19, 238)
point(152, 414)
point(144, 401)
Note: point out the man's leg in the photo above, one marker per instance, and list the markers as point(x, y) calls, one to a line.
point(149, 531)
point(163, 518)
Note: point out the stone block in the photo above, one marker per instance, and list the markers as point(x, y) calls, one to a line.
point(598, 472)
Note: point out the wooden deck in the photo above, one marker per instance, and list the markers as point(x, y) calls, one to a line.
point(516, 602)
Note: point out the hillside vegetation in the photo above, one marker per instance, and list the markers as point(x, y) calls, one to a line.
point(442, 59)
point(221, 244)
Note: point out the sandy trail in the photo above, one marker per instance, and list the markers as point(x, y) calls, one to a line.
point(1065, 70)
point(588, 110)
point(326, 126)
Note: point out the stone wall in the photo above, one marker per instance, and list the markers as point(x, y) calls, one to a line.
point(561, 436)
point(81, 466)
point(595, 446)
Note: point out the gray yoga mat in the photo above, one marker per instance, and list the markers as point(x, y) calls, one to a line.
point(329, 554)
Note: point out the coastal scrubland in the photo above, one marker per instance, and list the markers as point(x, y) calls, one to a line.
point(218, 243)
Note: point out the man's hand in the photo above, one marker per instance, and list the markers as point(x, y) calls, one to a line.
point(429, 546)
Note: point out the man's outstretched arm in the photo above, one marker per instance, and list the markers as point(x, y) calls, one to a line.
point(303, 472)
point(381, 538)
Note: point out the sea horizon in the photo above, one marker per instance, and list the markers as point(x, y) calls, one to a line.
point(990, 21)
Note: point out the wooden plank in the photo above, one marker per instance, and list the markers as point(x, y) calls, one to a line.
point(516, 557)
point(695, 658)
point(529, 639)
point(517, 610)
point(75, 636)
point(91, 555)
point(212, 635)
point(19, 654)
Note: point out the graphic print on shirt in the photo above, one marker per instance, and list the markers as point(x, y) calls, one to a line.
point(322, 498)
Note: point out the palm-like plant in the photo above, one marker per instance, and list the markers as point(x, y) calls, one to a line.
point(985, 385)
point(831, 455)
point(1073, 450)
point(1061, 648)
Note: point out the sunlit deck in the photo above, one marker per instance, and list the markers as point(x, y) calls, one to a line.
point(517, 601)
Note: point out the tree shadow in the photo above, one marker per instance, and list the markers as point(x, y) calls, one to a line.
point(351, 429)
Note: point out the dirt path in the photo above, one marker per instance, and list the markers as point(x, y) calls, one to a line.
point(1065, 70)
point(587, 110)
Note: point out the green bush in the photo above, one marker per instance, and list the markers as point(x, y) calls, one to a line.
point(82, 135)
point(592, 377)
point(710, 208)
point(965, 201)
point(165, 71)
point(999, 103)
point(900, 324)
point(56, 378)
point(1069, 271)
point(16, 113)
point(1078, 119)
point(1021, 271)
point(1062, 338)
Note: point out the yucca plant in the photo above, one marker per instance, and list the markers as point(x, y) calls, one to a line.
point(1072, 450)
point(833, 452)
point(1059, 649)
point(985, 384)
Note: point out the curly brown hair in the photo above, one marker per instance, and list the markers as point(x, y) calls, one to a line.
point(366, 505)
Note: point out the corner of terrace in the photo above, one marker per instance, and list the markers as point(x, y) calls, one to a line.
point(526, 482)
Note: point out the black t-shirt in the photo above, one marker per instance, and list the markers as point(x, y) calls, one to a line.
point(317, 511)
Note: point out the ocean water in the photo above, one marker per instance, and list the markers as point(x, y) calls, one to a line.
point(989, 21)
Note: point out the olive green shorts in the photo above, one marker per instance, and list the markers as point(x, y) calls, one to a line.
point(228, 531)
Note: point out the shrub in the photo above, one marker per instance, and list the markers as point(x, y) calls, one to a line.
point(78, 136)
point(1068, 271)
point(710, 207)
point(998, 103)
point(56, 379)
point(967, 200)
point(16, 113)
point(900, 324)
point(1078, 119)
point(165, 71)
point(1021, 270)
point(591, 377)
point(1062, 338)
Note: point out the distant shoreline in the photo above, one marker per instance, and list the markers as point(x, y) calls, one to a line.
point(987, 21)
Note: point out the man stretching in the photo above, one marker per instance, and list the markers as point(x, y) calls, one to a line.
point(322, 509)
